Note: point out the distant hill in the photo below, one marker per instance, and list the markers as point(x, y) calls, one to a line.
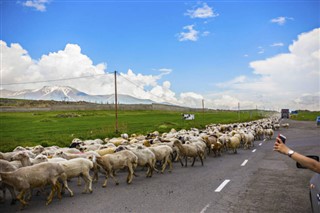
point(65, 93)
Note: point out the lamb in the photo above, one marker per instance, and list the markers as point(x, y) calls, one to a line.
point(39, 175)
point(5, 166)
point(162, 154)
point(189, 150)
point(75, 168)
point(119, 160)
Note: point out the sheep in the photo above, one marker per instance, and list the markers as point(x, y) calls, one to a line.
point(285, 125)
point(69, 156)
point(209, 140)
point(268, 133)
point(39, 175)
point(233, 143)
point(162, 154)
point(26, 160)
point(216, 148)
point(189, 150)
point(74, 168)
point(119, 160)
point(105, 151)
point(7, 155)
point(5, 166)
point(145, 158)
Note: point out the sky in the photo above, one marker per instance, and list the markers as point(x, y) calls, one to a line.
point(253, 53)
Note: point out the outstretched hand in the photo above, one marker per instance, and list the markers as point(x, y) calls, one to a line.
point(279, 146)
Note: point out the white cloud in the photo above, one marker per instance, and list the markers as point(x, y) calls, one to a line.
point(290, 80)
point(19, 67)
point(202, 12)
point(278, 44)
point(39, 5)
point(281, 20)
point(190, 35)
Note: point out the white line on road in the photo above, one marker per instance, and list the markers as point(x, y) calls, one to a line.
point(254, 150)
point(244, 163)
point(222, 185)
point(205, 208)
point(260, 144)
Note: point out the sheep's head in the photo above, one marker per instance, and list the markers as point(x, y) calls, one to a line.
point(19, 156)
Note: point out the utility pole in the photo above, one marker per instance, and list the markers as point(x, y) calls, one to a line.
point(239, 111)
point(203, 111)
point(116, 99)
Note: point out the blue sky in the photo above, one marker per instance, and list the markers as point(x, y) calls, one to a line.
point(180, 51)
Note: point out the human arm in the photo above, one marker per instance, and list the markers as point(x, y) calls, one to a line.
point(303, 160)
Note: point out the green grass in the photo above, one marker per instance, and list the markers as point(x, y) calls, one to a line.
point(60, 127)
point(304, 115)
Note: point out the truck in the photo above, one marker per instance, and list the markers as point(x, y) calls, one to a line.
point(285, 113)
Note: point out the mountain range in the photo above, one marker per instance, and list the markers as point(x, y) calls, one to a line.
point(65, 93)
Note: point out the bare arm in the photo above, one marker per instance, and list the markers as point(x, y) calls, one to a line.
point(303, 160)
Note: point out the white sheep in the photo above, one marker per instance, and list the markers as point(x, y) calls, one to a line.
point(74, 168)
point(189, 150)
point(119, 160)
point(90, 154)
point(233, 143)
point(5, 166)
point(145, 158)
point(25, 160)
point(163, 154)
point(39, 175)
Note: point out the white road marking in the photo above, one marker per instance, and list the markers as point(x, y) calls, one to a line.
point(260, 144)
point(222, 185)
point(254, 150)
point(205, 208)
point(244, 163)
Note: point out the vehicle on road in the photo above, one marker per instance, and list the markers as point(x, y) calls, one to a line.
point(318, 120)
point(314, 188)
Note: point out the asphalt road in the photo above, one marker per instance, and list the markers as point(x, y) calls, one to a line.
point(256, 180)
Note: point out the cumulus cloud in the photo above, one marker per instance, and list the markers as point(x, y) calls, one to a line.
point(281, 20)
point(201, 12)
point(39, 5)
point(284, 80)
point(19, 71)
point(190, 35)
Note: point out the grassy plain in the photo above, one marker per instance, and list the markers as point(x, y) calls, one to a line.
point(304, 115)
point(60, 127)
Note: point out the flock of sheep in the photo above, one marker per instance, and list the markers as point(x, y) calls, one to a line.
point(27, 168)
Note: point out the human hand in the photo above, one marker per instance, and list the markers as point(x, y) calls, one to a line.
point(279, 146)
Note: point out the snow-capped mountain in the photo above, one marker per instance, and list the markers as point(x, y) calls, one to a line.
point(65, 93)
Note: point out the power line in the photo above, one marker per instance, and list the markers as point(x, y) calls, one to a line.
point(53, 80)
point(139, 86)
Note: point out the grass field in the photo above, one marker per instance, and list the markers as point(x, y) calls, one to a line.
point(305, 115)
point(60, 127)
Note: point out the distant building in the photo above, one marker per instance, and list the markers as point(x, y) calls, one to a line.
point(285, 113)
